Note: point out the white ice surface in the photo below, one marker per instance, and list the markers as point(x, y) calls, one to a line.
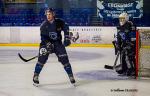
point(88, 67)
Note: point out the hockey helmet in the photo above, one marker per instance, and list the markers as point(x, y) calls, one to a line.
point(51, 10)
point(123, 18)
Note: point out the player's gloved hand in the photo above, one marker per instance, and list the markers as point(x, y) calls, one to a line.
point(67, 42)
point(50, 47)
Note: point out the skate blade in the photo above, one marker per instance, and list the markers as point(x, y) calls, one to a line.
point(36, 85)
point(131, 77)
point(73, 84)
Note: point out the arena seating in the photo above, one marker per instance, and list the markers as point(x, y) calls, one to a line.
point(76, 17)
point(27, 17)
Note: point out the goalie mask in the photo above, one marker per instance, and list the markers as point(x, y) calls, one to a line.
point(123, 18)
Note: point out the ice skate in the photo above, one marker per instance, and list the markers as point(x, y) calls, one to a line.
point(36, 80)
point(72, 80)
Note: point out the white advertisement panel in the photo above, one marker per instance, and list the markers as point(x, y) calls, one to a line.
point(92, 35)
point(79, 35)
point(30, 34)
point(4, 35)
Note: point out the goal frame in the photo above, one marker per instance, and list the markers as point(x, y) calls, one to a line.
point(139, 47)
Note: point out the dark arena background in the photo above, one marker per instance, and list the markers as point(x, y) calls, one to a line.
point(92, 27)
point(75, 12)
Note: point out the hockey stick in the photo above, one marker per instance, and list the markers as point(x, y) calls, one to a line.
point(48, 50)
point(26, 60)
point(112, 67)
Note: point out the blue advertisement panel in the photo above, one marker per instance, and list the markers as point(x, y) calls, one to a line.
point(112, 8)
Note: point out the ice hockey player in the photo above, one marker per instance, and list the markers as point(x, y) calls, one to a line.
point(125, 44)
point(51, 42)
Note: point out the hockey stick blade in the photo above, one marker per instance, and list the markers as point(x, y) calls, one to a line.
point(108, 67)
point(112, 67)
point(22, 58)
point(26, 60)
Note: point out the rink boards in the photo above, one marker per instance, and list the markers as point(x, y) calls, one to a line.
point(81, 36)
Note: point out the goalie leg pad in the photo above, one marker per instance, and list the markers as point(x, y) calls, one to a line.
point(123, 62)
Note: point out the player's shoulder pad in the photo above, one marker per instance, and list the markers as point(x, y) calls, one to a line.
point(118, 27)
point(59, 20)
point(130, 22)
point(43, 23)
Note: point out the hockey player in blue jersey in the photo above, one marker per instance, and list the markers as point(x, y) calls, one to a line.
point(51, 42)
point(125, 44)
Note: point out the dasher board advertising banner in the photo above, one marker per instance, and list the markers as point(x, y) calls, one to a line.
point(110, 9)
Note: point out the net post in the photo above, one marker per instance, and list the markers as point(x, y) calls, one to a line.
point(137, 54)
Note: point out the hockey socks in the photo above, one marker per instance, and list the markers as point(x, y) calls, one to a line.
point(38, 68)
point(68, 69)
point(37, 71)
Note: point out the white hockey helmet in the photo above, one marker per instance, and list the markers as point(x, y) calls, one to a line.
point(123, 18)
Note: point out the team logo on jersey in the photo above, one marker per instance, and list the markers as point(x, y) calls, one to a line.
point(123, 36)
point(53, 35)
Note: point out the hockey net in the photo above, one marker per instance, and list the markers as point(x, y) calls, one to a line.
point(143, 53)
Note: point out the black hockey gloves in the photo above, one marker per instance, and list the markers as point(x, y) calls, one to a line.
point(67, 42)
point(46, 48)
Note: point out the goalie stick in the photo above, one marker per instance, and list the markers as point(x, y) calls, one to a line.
point(113, 67)
point(26, 60)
